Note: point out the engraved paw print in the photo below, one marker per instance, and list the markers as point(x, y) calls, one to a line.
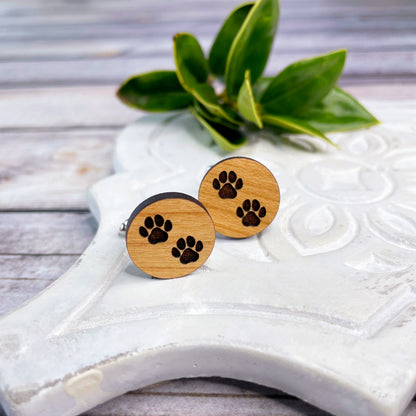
point(227, 184)
point(154, 227)
point(189, 248)
point(250, 212)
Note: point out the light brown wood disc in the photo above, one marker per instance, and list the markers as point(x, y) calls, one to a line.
point(170, 235)
point(241, 195)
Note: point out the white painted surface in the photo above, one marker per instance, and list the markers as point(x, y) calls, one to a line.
point(321, 305)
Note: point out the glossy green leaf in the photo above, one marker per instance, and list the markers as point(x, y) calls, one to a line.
point(260, 86)
point(204, 112)
point(303, 98)
point(191, 65)
point(303, 84)
point(338, 111)
point(192, 71)
point(246, 104)
point(225, 37)
point(251, 47)
point(294, 125)
point(154, 91)
point(227, 139)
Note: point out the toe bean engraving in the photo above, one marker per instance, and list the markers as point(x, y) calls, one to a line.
point(156, 229)
point(187, 250)
point(251, 213)
point(227, 184)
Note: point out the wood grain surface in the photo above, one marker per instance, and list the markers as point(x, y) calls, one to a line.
point(170, 235)
point(60, 64)
point(241, 195)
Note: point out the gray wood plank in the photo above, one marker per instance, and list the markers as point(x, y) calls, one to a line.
point(35, 267)
point(56, 49)
point(24, 276)
point(135, 405)
point(92, 106)
point(214, 386)
point(200, 9)
point(349, 32)
point(97, 106)
point(13, 293)
point(45, 232)
point(137, 24)
point(396, 91)
point(107, 45)
point(73, 72)
point(149, 37)
point(53, 169)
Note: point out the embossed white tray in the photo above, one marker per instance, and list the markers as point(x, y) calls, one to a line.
point(320, 305)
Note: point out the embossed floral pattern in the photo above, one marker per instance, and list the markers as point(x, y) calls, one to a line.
point(365, 192)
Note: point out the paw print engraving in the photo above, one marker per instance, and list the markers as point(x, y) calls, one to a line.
point(189, 248)
point(154, 227)
point(227, 185)
point(250, 212)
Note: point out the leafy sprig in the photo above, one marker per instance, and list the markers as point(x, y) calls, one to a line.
point(303, 98)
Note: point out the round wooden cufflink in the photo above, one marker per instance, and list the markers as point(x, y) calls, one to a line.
point(169, 235)
point(241, 195)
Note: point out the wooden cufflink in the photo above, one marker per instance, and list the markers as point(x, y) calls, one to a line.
point(169, 235)
point(241, 195)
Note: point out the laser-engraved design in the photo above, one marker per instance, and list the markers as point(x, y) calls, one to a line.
point(187, 250)
point(227, 184)
point(238, 214)
point(251, 213)
point(187, 216)
point(154, 227)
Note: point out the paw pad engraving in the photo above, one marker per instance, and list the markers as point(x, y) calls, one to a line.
point(251, 212)
point(230, 182)
point(187, 251)
point(158, 229)
point(227, 184)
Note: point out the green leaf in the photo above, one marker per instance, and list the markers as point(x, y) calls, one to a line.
point(222, 44)
point(251, 47)
point(227, 139)
point(154, 91)
point(192, 71)
point(202, 111)
point(338, 111)
point(246, 104)
point(260, 86)
point(303, 84)
point(191, 65)
point(295, 125)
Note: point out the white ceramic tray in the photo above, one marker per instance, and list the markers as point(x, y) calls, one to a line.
point(320, 305)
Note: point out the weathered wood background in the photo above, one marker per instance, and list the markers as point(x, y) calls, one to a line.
point(60, 64)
